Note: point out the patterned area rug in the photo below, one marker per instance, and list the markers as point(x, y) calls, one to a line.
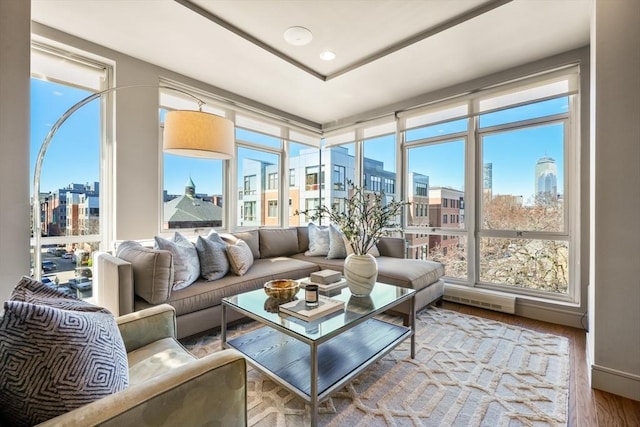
point(468, 371)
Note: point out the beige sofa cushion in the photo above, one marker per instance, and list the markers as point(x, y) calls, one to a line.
point(202, 294)
point(409, 273)
point(152, 270)
point(155, 359)
point(276, 242)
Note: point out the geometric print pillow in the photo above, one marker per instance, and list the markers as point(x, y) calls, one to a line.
point(35, 292)
point(54, 360)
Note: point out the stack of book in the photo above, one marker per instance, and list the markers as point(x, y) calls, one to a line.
point(300, 309)
point(327, 280)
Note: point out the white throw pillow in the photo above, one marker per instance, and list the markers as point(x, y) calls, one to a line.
point(337, 248)
point(318, 240)
point(186, 264)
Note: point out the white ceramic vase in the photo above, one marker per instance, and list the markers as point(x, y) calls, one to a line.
point(361, 273)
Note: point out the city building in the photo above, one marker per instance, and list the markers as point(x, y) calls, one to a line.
point(546, 184)
point(191, 211)
point(445, 205)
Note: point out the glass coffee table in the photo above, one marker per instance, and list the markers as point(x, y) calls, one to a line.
point(315, 358)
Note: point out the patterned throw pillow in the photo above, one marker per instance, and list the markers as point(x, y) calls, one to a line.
point(318, 240)
point(186, 265)
point(240, 257)
point(212, 252)
point(53, 360)
point(35, 292)
point(337, 248)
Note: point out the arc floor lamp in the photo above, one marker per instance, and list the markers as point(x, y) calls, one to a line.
point(191, 133)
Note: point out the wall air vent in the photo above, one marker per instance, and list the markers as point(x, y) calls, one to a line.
point(490, 300)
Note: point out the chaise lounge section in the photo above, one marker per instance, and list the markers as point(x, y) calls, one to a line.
point(126, 282)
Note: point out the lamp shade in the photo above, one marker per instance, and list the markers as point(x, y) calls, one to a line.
point(198, 134)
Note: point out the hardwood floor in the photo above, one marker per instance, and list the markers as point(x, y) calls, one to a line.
point(587, 407)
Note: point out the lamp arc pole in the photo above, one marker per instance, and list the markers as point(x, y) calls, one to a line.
point(37, 220)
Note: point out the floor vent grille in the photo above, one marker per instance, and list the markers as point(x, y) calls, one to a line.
point(482, 298)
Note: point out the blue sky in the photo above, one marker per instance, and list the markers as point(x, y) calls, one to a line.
point(73, 156)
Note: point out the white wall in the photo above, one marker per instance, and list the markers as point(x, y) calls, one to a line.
point(614, 337)
point(15, 39)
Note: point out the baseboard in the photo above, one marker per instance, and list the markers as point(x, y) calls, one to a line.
point(558, 315)
point(617, 382)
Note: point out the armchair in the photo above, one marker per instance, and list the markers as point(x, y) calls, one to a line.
point(167, 385)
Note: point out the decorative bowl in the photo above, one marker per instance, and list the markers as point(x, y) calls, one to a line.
point(281, 289)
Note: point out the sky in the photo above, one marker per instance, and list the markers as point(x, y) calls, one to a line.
point(73, 155)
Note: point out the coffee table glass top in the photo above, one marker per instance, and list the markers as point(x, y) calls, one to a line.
point(257, 304)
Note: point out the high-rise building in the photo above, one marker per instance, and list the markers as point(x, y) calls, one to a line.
point(546, 183)
point(487, 178)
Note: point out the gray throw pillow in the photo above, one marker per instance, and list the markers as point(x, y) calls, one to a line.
point(240, 257)
point(54, 360)
point(318, 240)
point(337, 248)
point(186, 265)
point(212, 252)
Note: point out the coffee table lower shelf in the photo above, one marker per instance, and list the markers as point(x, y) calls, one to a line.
point(288, 361)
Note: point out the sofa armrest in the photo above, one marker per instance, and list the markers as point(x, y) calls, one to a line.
point(208, 391)
point(113, 283)
point(395, 247)
point(146, 326)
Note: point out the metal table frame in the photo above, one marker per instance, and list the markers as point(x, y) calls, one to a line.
point(249, 345)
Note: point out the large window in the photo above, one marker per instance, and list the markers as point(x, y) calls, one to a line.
point(523, 229)
point(255, 167)
point(437, 179)
point(303, 160)
point(70, 199)
point(514, 144)
point(192, 194)
point(380, 164)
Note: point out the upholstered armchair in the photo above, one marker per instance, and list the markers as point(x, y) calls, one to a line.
point(167, 385)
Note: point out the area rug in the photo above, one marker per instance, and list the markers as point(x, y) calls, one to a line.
point(468, 371)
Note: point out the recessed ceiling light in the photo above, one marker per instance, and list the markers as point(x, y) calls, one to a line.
point(298, 36)
point(327, 55)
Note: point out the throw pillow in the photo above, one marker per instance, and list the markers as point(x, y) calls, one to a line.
point(54, 360)
point(212, 253)
point(250, 237)
point(152, 271)
point(186, 264)
point(240, 257)
point(35, 292)
point(319, 240)
point(337, 248)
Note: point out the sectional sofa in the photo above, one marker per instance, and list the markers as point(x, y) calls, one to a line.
point(137, 276)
